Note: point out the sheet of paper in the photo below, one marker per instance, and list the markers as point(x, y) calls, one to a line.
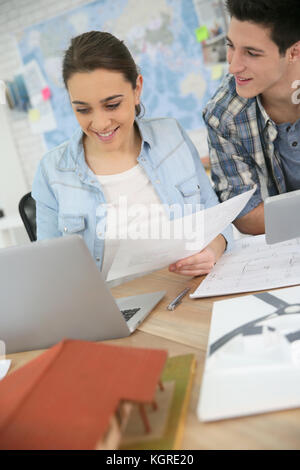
point(4, 363)
point(4, 366)
point(253, 357)
point(252, 266)
point(145, 255)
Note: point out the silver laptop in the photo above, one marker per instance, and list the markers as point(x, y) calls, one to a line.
point(282, 217)
point(52, 289)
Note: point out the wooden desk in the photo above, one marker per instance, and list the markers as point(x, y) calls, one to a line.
point(189, 323)
point(185, 331)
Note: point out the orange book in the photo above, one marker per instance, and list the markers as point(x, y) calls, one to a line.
point(65, 398)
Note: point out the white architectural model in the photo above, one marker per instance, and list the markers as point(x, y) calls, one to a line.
point(253, 358)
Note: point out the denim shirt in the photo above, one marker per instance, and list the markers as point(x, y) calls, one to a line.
point(68, 195)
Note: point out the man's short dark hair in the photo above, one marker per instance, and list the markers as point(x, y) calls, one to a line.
point(281, 16)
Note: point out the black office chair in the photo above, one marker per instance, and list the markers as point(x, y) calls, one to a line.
point(28, 215)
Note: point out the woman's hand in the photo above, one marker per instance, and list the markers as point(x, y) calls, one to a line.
point(203, 262)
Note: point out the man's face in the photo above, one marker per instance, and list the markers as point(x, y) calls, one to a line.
point(254, 59)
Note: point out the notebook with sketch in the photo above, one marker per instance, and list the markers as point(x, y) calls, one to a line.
point(52, 289)
point(253, 265)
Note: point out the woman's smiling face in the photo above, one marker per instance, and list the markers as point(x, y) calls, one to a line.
point(104, 105)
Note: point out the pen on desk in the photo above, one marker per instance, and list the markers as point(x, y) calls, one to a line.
point(178, 299)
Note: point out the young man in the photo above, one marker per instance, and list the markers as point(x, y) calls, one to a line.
point(253, 120)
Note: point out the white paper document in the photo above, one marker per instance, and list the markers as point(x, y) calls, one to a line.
point(149, 254)
point(4, 363)
point(4, 366)
point(253, 357)
point(251, 266)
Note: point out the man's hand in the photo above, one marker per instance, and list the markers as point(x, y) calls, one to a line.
point(203, 262)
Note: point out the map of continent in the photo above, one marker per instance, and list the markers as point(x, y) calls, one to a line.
point(161, 38)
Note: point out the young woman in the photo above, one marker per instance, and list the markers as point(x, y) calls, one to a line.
point(114, 155)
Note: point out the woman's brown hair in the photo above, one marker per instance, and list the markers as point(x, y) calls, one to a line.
point(99, 50)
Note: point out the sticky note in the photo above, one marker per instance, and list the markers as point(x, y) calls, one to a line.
point(34, 115)
point(46, 93)
point(202, 33)
point(217, 72)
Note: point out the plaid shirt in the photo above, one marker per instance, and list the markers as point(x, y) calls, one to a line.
point(241, 140)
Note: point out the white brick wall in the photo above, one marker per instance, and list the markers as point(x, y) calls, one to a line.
point(15, 16)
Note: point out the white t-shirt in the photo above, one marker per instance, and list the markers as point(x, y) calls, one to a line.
point(131, 187)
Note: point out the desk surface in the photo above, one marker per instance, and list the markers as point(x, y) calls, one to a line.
point(184, 331)
point(189, 323)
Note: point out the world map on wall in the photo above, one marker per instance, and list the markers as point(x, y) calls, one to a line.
point(161, 37)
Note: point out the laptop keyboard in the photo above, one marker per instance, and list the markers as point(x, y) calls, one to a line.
point(127, 314)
